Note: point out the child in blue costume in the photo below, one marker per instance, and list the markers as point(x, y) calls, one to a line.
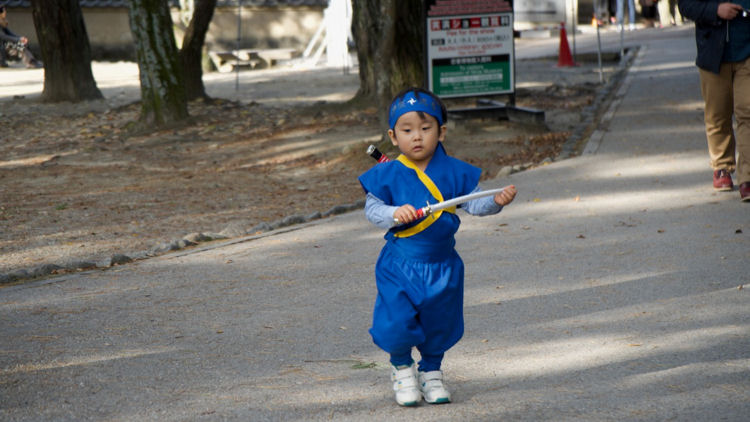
point(419, 275)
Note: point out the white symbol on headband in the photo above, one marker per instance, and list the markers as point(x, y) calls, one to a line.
point(411, 101)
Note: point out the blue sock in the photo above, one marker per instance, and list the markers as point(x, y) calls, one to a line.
point(401, 359)
point(430, 362)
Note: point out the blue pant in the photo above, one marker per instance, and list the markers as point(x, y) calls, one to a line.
point(631, 11)
point(419, 303)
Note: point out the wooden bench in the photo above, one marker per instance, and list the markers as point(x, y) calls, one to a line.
point(226, 61)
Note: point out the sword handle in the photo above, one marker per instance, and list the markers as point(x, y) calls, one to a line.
point(375, 153)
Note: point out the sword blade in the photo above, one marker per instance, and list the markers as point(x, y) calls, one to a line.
point(461, 199)
point(431, 208)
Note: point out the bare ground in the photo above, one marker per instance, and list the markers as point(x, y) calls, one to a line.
point(78, 185)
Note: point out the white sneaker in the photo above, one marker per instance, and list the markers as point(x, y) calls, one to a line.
point(431, 384)
point(405, 385)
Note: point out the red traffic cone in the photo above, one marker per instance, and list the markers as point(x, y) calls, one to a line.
point(565, 59)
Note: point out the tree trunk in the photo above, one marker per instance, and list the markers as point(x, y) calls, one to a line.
point(191, 53)
point(65, 51)
point(163, 99)
point(390, 48)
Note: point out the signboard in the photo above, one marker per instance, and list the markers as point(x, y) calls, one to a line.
point(469, 47)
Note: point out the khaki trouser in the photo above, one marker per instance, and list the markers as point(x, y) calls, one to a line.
point(727, 94)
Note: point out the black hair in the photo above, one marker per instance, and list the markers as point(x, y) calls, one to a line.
point(421, 91)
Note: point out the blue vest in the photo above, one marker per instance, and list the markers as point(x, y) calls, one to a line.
point(396, 185)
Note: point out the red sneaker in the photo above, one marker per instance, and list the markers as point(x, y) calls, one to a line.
point(745, 192)
point(722, 180)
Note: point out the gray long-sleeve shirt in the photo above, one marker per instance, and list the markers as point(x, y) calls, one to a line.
point(381, 215)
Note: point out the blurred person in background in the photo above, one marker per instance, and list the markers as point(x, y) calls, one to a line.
point(13, 45)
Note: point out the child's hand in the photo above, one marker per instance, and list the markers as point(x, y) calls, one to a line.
point(506, 196)
point(405, 214)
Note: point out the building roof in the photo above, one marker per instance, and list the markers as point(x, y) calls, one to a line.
point(124, 3)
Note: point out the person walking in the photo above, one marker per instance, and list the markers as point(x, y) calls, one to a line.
point(722, 33)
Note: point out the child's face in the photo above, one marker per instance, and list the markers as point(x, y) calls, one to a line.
point(417, 137)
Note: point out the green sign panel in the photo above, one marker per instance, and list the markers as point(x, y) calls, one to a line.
point(488, 74)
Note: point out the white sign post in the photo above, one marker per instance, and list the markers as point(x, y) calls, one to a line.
point(338, 20)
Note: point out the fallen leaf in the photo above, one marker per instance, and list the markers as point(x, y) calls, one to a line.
point(364, 365)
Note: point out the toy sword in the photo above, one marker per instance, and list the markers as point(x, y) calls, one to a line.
point(431, 208)
point(373, 152)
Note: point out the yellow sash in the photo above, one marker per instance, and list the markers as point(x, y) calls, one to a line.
point(430, 185)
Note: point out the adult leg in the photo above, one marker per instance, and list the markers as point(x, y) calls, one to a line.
point(741, 88)
point(619, 13)
point(631, 13)
point(662, 8)
point(718, 97)
point(672, 12)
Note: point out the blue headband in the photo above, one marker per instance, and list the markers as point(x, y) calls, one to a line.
point(410, 102)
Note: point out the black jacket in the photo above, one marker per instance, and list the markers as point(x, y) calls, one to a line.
point(710, 31)
point(7, 35)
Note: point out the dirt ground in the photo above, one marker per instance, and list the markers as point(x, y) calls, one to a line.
point(78, 185)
